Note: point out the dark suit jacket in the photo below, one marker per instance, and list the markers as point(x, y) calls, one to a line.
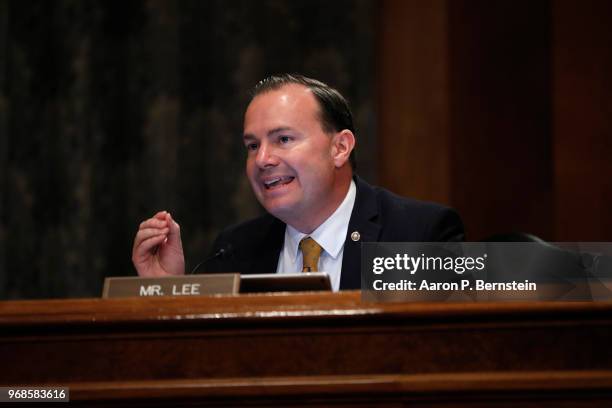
point(378, 215)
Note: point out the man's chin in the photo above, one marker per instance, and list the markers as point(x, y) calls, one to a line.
point(284, 211)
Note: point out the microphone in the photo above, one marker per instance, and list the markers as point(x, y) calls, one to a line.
point(222, 253)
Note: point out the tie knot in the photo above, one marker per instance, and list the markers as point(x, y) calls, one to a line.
point(311, 251)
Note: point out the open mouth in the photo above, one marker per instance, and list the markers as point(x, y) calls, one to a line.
point(277, 182)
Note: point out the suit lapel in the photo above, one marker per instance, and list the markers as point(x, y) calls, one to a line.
point(265, 260)
point(364, 221)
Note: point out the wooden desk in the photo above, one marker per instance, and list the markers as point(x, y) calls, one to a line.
point(310, 349)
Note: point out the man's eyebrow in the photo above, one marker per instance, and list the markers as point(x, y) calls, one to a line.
point(249, 136)
point(279, 129)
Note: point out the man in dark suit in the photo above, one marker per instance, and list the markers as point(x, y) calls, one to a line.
point(300, 140)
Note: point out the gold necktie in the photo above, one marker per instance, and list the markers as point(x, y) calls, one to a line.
point(311, 251)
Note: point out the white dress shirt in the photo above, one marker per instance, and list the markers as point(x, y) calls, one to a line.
point(330, 236)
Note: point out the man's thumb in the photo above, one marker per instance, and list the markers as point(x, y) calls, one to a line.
point(174, 235)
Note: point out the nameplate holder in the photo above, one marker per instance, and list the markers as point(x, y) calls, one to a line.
point(186, 285)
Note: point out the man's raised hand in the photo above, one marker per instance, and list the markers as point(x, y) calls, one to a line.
point(157, 249)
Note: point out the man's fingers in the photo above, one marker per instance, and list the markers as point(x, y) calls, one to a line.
point(174, 236)
point(157, 221)
point(161, 215)
point(146, 233)
point(153, 223)
point(148, 244)
point(173, 225)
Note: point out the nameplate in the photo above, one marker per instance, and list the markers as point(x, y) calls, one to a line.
point(186, 285)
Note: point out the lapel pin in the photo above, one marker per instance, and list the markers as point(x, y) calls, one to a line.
point(355, 236)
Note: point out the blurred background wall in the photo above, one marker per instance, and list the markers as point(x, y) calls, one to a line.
point(502, 109)
point(110, 111)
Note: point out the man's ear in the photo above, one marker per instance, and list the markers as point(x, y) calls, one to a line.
point(343, 143)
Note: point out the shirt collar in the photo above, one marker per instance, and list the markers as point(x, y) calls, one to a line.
point(327, 233)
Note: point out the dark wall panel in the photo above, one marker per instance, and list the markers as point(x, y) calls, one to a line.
point(500, 116)
point(583, 119)
point(413, 98)
point(465, 110)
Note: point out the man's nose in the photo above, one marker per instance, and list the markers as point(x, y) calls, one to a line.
point(266, 157)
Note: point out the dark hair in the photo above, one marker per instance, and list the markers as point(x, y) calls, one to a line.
point(335, 113)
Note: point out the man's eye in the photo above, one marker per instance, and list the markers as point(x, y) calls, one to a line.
point(284, 139)
point(252, 147)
